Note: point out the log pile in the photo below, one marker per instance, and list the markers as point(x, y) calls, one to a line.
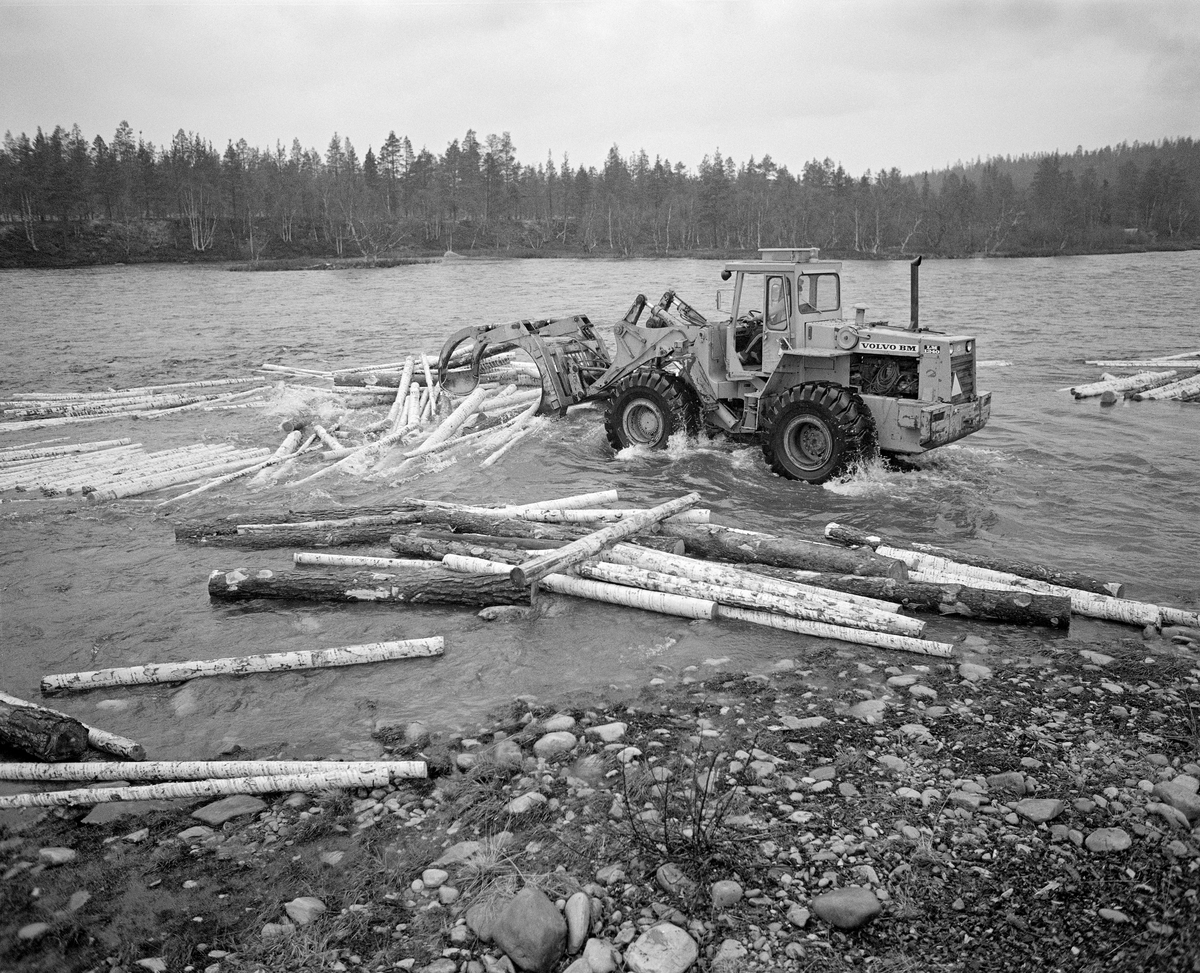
point(1169, 377)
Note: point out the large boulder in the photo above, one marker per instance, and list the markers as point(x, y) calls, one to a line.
point(531, 931)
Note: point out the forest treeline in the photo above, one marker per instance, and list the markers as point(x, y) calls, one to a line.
point(67, 200)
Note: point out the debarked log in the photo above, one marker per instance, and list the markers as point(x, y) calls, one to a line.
point(244, 665)
point(844, 534)
point(419, 586)
point(1011, 607)
point(42, 734)
point(723, 544)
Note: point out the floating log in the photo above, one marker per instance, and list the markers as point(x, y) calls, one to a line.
point(723, 544)
point(1025, 569)
point(305, 783)
point(557, 561)
point(576, 501)
point(820, 610)
point(396, 415)
point(169, 770)
point(463, 522)
point(349, 655)
point(361, 561)
point(1176, 390)
point(1193, 361)
point(738, 576)
point(97, 739)
point(690, 607)
point(406, 542)
point(259, 540)
point(939, 570)
point(41, 733)
point(47, 452)
point(881, 640)
point(414, 586)
point(133, 487)
point(492, 458)
point(1128, 383)
point(946, 598)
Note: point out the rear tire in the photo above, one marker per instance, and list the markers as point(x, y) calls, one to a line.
point(647, 407)
point(816, 431)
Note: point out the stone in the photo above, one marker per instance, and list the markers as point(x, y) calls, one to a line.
point(1010, 782)
point(729, 957)
point(552, 744)
point(481, 920)
point(798, 916)
point(53, 857)
point(974, 672)
point(1112, 915)
point(663, 948)
point(897, 765)
point(35, 930)
point(505, 613)
point(558, 723)
point(432, 878)
point(1096, 658)
point(671, 879)
point(1039, 810)
point(600, 956)
point(304, 909)
point(153, 963)
point(849, 908)
point(921, 691)
point(111, 811)
point(869, 710)
point(1171, 815)
point(608, 732)
point(531, 931)
point(1108, 839)
point(235, 806)
point(725, 893)
point(1179, 796)
point(277, 930)
point(578, 913)
point(525, 803)
point(507, 753)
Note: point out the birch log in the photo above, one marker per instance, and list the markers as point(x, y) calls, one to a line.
point(349, 655)
point(97, 739)
point(1129, 383)
point(257, 540)
point(795, 607)
point(396, 415)
point(168, 770)
point(578, 500)
point(1025, 569)
point(493, 458)
point(946, 598)
point(305, 783)
point(435, 548)
point(360, 561)
point(881, 640)
point(723, 544)
point(41, 733)
point(937, 570)
point(1175, 390)
point(737, 576)
point(556, 561)
point(414, 586)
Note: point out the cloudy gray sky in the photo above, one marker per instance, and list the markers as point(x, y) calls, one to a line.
point(872, 84)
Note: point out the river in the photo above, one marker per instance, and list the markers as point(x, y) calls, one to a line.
point(1110, 491)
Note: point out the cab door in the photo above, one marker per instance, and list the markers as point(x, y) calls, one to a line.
point(778, 316)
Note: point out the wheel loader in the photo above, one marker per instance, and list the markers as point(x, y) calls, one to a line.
point(781, 365)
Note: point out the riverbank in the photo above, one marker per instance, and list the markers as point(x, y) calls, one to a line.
point(1028, 812)
point(56, 245)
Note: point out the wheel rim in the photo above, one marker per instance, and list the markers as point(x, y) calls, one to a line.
point(643, 423)
point(808, 443)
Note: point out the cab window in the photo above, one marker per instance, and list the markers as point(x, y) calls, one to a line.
point(779, 302)
point(820, 293)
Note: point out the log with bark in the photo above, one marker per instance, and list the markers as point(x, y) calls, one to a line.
point(556, 561)
point(97, 739)
point(844, 534)
point(41, 733)
point(243, 665)
point(257, 540)
point(168, 770)
point(1011, 607)
point(418, 586)
point(744, 547)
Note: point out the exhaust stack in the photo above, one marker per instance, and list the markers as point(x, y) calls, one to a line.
point(914, 321)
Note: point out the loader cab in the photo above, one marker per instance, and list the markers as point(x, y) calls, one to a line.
point(774, 301)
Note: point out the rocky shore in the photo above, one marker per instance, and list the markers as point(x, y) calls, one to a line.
point(844, 810)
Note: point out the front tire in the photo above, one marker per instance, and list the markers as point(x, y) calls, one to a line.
point(816, 431)
point(647, 407)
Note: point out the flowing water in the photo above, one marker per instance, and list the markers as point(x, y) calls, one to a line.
point(1110, 491)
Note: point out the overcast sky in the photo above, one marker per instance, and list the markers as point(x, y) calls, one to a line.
point(915, 84)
